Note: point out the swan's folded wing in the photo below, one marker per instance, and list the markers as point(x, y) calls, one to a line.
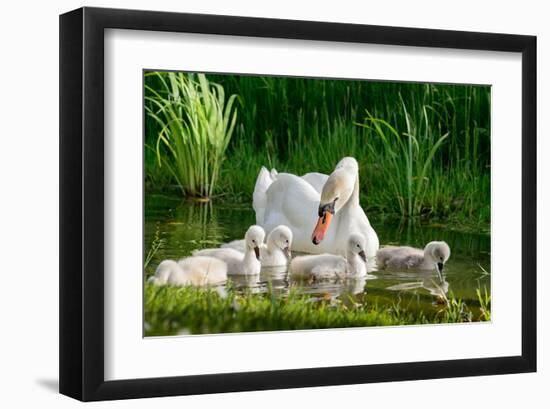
point(332, 268)
point(204, 252)
point(220, 253)
point(413, 260)
point(206, 270)
point(318, 266)
point(316, 180)
point(383, 255)
point(235, 244)
point(292, 202)
point(259, 198)
point(164, 270)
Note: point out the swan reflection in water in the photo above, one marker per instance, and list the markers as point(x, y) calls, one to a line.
point(430, 281)
point(277, 281)
point(274, 279)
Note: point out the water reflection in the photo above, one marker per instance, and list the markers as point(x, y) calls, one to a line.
point(277, 281)
point(334, 288)
point(429, 281)
point(184, 227)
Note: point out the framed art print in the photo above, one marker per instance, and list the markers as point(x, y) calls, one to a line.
point(255, 203)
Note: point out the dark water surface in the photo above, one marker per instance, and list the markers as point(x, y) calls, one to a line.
point(185, 226)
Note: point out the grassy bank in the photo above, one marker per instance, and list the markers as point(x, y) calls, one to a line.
point(191, 310)
point(423, 149)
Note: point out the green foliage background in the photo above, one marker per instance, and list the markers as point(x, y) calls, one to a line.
point(423, 149)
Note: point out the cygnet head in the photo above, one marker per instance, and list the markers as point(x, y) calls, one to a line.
point(254, 238)
point(335, 194)
point(357, 245)
point(281, 237)
point(438, 252)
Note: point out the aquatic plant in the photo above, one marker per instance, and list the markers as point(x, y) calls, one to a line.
point(423, 149)
point(484, 303)
point(194, 124)
point(435, 162)
point(456, 309)
point(408, 158)
point(156, 245)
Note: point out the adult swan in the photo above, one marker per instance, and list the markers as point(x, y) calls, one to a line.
point(333, 215)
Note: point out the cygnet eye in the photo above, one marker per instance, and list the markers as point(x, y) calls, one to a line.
point(286, 241)
point(253, 241)
point(358, 246)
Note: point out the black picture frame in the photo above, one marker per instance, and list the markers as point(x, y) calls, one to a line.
point(81, 285)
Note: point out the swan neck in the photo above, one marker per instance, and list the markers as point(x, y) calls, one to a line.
point(428, 254)
point(270, 243)
point(354, 199)
point(249, 255)
point(353, 259)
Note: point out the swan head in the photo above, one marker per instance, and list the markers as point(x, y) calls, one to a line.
point(335, 194)
point(438, 252)
point(254, 238)
point(357, 245)
point(349, 163)
point(281, 237)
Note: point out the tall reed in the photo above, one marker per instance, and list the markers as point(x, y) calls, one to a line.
point(423, 149)
point(408, 158)
point(194, 126)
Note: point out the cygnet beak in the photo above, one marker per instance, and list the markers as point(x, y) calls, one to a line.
point(440, 271)
point(287, 252)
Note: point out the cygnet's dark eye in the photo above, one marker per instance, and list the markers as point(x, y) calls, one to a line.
point(253, 241)
point(287, 242)
point(358, 246)
point(441, 258)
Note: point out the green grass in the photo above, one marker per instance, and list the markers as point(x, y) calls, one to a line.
point(423, 149)
point(484, 303)
point(191, 123)
point(408, 159)
point(157, 244)
point(190, 310)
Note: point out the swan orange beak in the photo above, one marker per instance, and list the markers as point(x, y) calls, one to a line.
point(321, 228)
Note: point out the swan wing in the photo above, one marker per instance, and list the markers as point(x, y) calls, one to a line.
point(259, 197)
point(201, 270)
point(316, 180)
point(293, 202)
point(235, 244)
point(231, 257)
point(329, 266)
point(164, 271)
point(405, 259)
point(318, 266)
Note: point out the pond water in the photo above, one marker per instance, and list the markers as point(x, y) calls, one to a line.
point(185, 226)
